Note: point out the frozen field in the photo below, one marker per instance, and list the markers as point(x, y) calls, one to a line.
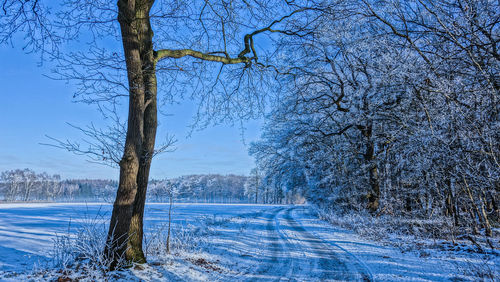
point(233, 242)
point(27, 231)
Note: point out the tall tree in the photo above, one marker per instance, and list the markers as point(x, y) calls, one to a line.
point(126, 225)
point(204, 39)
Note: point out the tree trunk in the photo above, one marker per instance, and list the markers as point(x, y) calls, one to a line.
point(493, 206)
point(486, 222)
point(451, 207)
point(131, 18)
point(369, 156)
point(149, 133)
point(479, 212)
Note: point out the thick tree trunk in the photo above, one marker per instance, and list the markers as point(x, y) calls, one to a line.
point(369, 156)
point(149, 133)
point(133, 166)
point(136, 226)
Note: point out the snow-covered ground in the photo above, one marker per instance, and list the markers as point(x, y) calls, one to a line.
point(224, 242)
point(27, 231)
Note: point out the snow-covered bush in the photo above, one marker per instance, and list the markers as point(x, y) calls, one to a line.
point(80, 252)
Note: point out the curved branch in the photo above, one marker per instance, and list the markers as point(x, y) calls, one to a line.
point(226, 59)
point(179, 53)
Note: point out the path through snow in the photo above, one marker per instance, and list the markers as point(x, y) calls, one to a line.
point(294, 253)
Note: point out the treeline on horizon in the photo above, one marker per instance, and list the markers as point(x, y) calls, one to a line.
point(26, 185)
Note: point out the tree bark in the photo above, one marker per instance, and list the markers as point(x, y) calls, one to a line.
point(123, 209)
point(135, 252)
point(369, 156)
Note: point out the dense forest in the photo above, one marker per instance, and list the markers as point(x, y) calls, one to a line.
point(393, 109)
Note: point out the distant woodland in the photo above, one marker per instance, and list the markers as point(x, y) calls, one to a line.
point(26, 185)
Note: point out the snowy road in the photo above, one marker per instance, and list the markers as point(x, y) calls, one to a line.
point(295, 254)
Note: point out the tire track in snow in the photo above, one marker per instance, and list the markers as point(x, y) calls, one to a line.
point(277, 265)
point(335, 262)
point(294, 254)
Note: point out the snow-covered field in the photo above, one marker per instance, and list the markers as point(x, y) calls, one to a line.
point(27, 231)
point(231, 242)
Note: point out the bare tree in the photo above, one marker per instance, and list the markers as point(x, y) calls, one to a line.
point(205, 48)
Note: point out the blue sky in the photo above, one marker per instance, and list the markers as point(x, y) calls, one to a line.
point(33, 106)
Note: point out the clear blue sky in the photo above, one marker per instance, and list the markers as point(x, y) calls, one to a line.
point(32, 106)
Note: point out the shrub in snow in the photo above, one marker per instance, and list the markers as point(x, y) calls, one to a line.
point(81, 254)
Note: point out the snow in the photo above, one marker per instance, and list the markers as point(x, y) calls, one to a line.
point(27, 230)
point(224, 243)
point(385, 263)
